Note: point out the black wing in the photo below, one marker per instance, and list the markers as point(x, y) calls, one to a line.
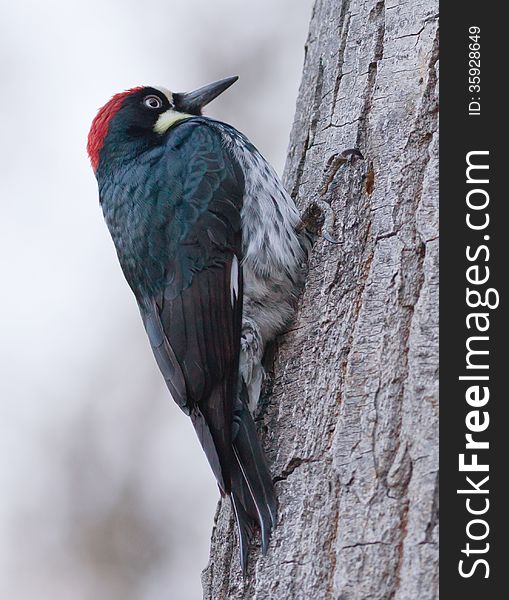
point(193, 317)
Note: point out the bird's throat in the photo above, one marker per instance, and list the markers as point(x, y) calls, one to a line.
point(168, 119)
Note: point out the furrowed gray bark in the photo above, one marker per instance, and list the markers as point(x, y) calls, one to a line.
point(350, 422)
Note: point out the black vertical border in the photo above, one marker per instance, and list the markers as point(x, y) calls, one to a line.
point(459, 134)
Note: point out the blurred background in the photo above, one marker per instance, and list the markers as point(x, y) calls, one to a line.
point(104, 491)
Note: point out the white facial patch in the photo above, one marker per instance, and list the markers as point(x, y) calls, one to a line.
point(168, 118)
point(164, 91)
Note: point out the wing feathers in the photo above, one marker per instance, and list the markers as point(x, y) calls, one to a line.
point(194, 322)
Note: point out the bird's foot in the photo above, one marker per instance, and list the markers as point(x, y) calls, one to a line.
point(332, 167)
point(319, 211)
point(318, 215)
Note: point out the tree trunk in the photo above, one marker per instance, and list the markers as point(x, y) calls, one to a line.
point(350, 423)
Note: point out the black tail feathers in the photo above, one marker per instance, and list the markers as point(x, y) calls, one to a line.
point(253, 496)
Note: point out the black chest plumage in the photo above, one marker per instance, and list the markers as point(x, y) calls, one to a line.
point(173, 209)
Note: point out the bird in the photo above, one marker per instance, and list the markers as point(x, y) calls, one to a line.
point(212, 246)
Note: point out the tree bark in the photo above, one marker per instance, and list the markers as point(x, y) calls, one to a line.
point(350, 422)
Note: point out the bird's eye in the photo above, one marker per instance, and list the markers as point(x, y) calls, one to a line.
point(153, 102)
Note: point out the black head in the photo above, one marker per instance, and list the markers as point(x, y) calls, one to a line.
point(142, 115)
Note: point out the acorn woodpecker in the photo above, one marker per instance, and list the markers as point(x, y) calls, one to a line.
point(212, 247)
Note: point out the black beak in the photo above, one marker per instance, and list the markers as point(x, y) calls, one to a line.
point(193, 102)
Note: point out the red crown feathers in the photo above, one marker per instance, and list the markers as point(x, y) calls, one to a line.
point(100, 125)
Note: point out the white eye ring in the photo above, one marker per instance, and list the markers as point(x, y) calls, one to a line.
point(153, 102)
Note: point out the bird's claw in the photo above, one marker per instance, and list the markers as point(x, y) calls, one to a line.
point(333, 164)
point(331, 168)
point(327, 237)
point(352, 153)
point(318, 205)
point(328, 221)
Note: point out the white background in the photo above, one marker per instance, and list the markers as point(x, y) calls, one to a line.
point(104, 491)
